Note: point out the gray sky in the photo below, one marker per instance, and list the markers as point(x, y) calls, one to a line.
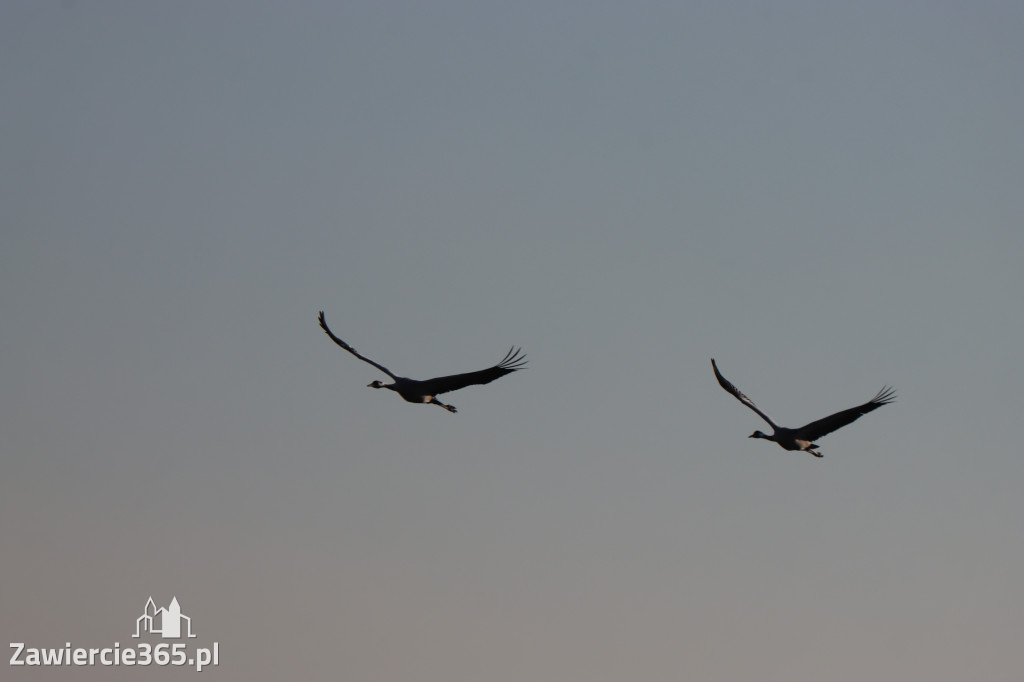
point(825, 197)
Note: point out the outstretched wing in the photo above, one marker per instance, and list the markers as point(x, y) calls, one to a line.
point(817, 429)
point(727, 385)
point(350, 349)
point(512, 361)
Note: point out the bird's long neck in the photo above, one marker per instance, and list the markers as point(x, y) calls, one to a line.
point(381, 384)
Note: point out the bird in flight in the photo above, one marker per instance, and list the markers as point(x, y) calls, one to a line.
point(426, 391)
point(803, 438)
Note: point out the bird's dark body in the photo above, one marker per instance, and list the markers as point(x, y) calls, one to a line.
point(410, 390)
point(787, 440)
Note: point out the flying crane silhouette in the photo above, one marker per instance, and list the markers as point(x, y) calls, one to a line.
point(426, 391)
point(803, 438)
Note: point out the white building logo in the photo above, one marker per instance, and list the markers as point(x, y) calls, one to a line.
point(165, 622)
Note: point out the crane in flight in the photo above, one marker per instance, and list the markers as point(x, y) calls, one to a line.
point(426, 391)
point(803, 438)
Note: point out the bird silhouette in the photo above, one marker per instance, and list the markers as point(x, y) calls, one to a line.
point(426, 391)
point(803, 438)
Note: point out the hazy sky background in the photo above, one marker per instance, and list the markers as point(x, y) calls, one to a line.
point(825, 197)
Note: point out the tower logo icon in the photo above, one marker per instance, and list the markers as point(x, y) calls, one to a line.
point(165, 622)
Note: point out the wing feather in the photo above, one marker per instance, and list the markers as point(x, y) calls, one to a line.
point(512, 362)
point(833, 422)
point(350, 349)
point(728, 386)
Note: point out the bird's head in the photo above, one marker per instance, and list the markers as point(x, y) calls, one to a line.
point(375, 384)
point(758, 434)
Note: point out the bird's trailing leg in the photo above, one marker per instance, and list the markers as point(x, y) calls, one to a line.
point(815, 453)
point(450, 408)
